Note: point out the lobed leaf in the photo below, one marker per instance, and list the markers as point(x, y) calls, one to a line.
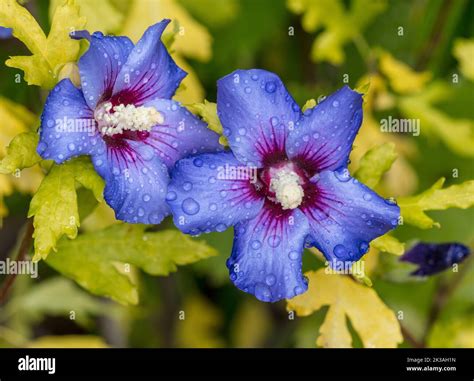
point(100, 261)
point(54, 206)
point(50, 53)
point(413, 208)
point(374, 322)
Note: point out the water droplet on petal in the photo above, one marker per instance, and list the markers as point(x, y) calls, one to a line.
point(293, 255)
point(363, 247)
point(270, 87)
point(270, 279)
point(221, 227)
point(197, 162)
point(171, 196)
point(342, 175)
point(340, 251)
point(367, 196)
point(274, 241)
point(248, 90)
point(256, 244)
point(190, 206)
point(274, 121)
point(187, 186)
point(335, 104)
point(146, 197)
point(262, 292)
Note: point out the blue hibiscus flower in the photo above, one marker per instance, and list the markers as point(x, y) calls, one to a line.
point(124, 119)
point(283, 185)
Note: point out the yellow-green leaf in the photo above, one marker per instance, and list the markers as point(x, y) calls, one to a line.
point(388, 244)
point(21, 153)
point(50, 53)
point(464, 52)
point(375, 163)
point(101, 261)
point(208, 112)
point(339, 25)
point(413, 208)
point(374, 322)
point(100, 15)
point(402, 78)
point(456, 133)
point(54, 206)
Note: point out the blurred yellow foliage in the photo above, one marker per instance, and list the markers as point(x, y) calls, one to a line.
point(198, 328)
point(339, 24)
point(401, 77)
point(68, 341)
point(464, 52)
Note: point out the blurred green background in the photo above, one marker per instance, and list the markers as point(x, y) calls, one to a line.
point(315, 47)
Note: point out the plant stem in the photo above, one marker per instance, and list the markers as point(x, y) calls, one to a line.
point(22, 251)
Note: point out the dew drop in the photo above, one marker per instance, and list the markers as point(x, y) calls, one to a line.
point(339, 251)
point(262, 292)
point(270, 87)
point(171, 196)
point(190, 206)
point(367, 196)
point(270, 279)
point(256, 244)
point(274, 241)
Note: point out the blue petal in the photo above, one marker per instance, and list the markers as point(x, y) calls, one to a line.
point(204, 197)
point(181, 134)
point(149, 72)
point(5, 33)
point(135, 183)
point(323, 138)
point(266, 259)
point(256, 112)
point(101, 64)
point(345, 216)
point(433, 258)
point(68, 128)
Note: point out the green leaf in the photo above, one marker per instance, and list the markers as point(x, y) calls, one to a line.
point(456, 196)
point(100, 261)
point(388, 244)
point(21, 153)
point(375, 163)
point(57, 296)
point(54, 206)
point(208, 112)
point(49, 53)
